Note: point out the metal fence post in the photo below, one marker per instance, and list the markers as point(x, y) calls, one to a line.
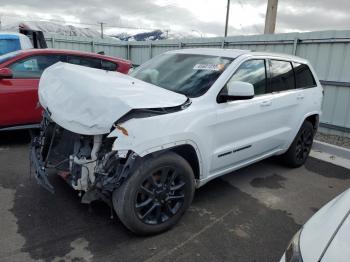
point(92, 46)
point(180, 45)
point(128, 52)
point(53, 42)
point(150, 51)
point(223, 43)
point(295, 45)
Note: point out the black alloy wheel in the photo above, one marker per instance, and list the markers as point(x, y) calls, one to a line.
point(160, 196)
point(156, 194)
point(299, 150)
point(304, 144)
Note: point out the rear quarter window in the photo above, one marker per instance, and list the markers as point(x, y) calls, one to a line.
point(109, 66)
point(84, 61)
point(303, 76)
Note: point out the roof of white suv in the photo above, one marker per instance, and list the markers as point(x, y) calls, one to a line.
point(233, 53)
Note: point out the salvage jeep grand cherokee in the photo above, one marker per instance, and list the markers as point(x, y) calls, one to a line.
point(143, 143)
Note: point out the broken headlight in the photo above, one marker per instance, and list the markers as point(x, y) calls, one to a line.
point(293, 253)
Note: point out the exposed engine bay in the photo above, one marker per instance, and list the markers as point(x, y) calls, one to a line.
point(85, 162)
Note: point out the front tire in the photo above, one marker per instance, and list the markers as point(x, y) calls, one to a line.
point(300, 149)
point(156, 195)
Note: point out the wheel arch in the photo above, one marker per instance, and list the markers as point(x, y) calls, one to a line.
point(190, 155)
point(312, 117)
point(314, 120)
point(189, 151)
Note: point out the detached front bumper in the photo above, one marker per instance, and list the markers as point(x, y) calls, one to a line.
point(38, 166)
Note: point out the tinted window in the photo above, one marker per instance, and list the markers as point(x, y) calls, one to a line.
point(33, 66)
point(188, 74)
point(282, 75)
point(253, 72)
point(84, 61)
point(109, 66)
point(303, 76)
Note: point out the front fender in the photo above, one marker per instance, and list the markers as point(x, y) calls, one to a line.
point(143, 138)
point(144, 146)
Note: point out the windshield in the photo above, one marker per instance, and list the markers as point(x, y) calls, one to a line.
point(188, 74)
point(8, 56)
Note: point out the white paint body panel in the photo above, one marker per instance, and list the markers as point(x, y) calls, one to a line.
point(317, 232)
point(266, 124)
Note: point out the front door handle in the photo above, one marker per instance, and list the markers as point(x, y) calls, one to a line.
point(266, 103)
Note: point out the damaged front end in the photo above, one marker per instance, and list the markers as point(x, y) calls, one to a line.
point(81, 104)
point(86, 162)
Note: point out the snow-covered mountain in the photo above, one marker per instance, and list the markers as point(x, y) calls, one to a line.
point(154, 35)
point(116, 33)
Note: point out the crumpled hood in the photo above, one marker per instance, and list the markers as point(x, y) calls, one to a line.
point(318, 231)
point(88, 101)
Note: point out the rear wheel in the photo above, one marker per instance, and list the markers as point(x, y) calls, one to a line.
point(156, 195)
point(301, 146)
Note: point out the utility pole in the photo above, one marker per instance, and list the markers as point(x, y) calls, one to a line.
point(270, 19)
point(227, 16)
point(101, 23)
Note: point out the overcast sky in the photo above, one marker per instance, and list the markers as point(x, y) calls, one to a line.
point(205, 17)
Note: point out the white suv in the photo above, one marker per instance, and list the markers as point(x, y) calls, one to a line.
point(143, 143)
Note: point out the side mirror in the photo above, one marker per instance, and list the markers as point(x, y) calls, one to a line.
point(237, 90)
point(5, 73)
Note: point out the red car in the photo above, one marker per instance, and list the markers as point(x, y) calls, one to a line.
point(20, 72)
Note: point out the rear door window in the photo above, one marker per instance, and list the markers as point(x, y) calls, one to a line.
point(33, 67)
point(303, 76)
point(281, 75)
point(84, 61)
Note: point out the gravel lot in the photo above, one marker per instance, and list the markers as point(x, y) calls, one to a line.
point(334, 139)
point(248, 215)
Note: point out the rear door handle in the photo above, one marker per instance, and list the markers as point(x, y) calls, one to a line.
point(266, 103)
point(300, 97)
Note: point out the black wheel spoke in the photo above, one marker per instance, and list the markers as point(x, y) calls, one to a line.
point(146, 191)
point(144, 203)
point(168, 210)
point(178, 186)
point(170, 198)
point(172, 178)
point(149, 211)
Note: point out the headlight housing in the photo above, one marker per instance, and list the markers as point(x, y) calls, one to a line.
point(293, 253)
